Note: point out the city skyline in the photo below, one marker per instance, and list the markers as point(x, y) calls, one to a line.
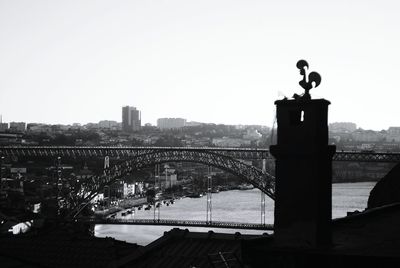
point(218, 62)
point(120, 121)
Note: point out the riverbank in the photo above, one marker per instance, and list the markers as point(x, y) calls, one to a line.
point(235, 205)
point(124, 204)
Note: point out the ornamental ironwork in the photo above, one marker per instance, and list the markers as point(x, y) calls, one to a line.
point(86, 190)
point(309, 81)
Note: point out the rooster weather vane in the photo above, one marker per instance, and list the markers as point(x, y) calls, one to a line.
point(312, 80)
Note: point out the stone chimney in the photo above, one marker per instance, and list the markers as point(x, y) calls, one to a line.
point(303, 193)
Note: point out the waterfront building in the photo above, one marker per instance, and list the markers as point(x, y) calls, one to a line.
point(116, 189)
point(131, 119)
point(169, 180)
point(169, 123)
point(138, 188)
point(129, 189)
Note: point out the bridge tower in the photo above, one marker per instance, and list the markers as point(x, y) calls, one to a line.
point(209, 197)
point(156, 209)
point(2, 182)
point(106, 171)
point(303, 191)
point(59, 185)
point(264, 170)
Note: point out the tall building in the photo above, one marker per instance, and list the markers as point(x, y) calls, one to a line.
point(131, 119)
point(168, 123)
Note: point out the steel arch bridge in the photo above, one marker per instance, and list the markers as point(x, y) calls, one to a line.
point(123, 152)
point(136, 158)
point(88, 189)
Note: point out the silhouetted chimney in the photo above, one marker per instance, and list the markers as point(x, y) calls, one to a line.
point(303, 193)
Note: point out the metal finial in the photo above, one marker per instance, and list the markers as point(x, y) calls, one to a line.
point(309, 81)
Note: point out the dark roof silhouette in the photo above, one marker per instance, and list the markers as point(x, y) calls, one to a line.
point(387, 189)
point(181, 248)
point(62, 249)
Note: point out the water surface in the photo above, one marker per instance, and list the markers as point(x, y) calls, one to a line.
point(236, 205)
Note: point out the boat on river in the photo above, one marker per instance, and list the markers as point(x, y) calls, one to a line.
point(194, 195)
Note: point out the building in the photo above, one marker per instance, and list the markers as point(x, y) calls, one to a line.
point(342, 127)
point(131, 119)
point(193, 124)
point(252, 134)
point(108, 124)
point(18, 126)
point(169, 123)
point(393, 134)
point(37, 127)
point(230, 142)
point(3, 127)
point(367, 136)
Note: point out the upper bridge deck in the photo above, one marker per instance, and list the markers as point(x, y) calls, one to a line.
point(127, 151)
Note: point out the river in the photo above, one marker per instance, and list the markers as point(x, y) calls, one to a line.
point(236, 205)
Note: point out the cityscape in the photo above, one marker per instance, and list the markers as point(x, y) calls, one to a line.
point(199, 134)
point(40, 187)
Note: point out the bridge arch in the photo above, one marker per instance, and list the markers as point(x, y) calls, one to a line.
point(263, 181)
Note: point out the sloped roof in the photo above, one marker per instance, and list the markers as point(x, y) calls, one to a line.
point(372, 232)
point(62, 249)
point(181, 248)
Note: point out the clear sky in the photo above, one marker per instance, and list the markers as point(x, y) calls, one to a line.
point(221, 61)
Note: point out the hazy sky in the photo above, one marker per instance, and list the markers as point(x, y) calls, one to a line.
point(210, 61)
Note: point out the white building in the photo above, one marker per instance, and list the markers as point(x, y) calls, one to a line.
point(169, 123)
point(108, 124)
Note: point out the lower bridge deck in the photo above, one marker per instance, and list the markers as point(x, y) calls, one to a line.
point(188, 223)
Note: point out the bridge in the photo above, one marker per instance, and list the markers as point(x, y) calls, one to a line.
point(124, 152)
point(128, 152)
point(131, 159)
point(261, 180)
point(187, 223)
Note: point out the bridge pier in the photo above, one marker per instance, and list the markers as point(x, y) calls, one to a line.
point(209, 197)
point(59, 185)
point(264, 170)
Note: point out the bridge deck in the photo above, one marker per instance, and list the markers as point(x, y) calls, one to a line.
point(188, 223)
point(128, 151)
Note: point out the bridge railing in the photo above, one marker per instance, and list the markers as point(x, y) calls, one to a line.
point(193, 223)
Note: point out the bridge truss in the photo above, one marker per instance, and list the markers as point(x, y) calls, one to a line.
point(123, 152)
point(89, 188)
point(135, 158)
point(191, 223)
point(128, 152)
